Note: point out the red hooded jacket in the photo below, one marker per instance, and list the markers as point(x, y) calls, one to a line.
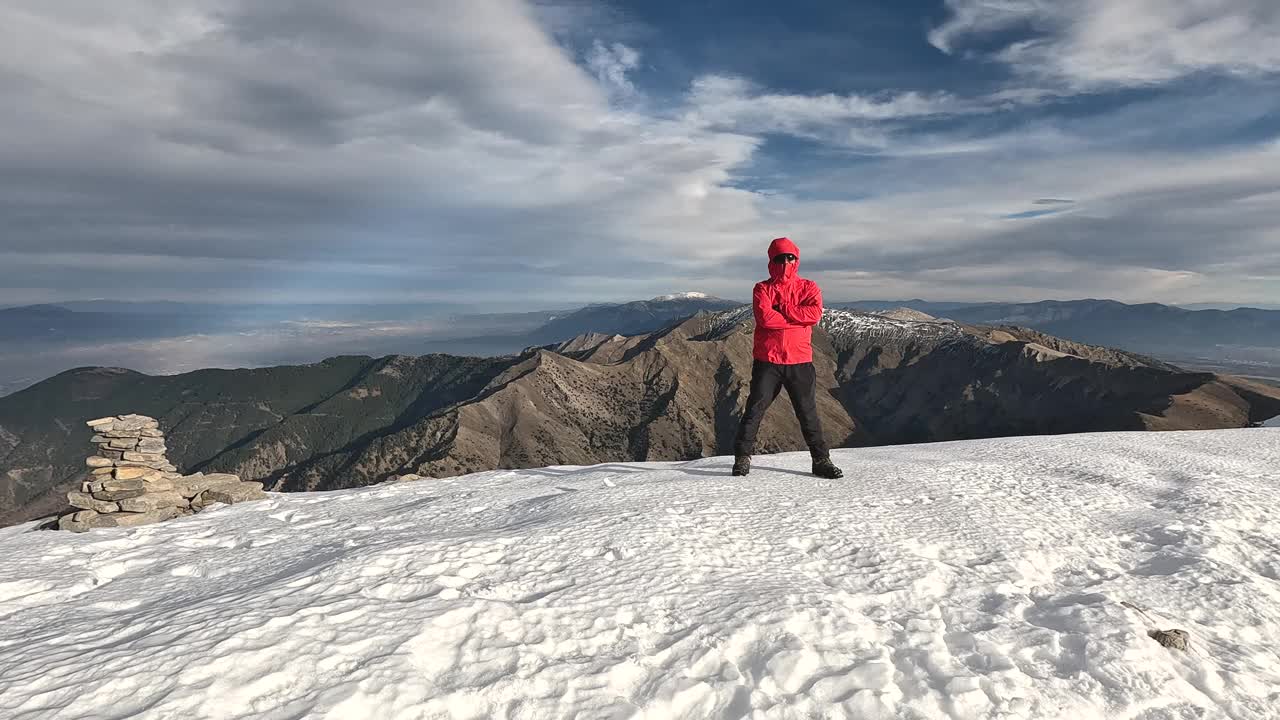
point(783, 336)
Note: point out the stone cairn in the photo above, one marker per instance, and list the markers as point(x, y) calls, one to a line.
point(131, 482)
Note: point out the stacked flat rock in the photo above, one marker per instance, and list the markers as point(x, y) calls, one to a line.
point(131, 481)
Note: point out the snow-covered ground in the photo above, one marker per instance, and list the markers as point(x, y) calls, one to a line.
point(955, 580)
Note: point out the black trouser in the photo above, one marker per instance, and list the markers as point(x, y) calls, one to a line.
point(767, 380)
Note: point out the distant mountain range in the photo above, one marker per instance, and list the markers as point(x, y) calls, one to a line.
point(1095, 321)
point(108, 320)
point(51, 323)
point(1229, 306)
point(604, 396)
point(632, 318)
point(1107, 322)
point(40, 340)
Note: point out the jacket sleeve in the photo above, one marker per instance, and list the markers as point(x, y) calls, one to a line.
point(809, 310)
point(766, 316)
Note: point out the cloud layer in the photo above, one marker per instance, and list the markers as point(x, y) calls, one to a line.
point(1106, 43)
point(509, 154)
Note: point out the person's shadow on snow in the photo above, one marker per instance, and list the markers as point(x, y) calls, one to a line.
point(608, 467)
point(729, 472)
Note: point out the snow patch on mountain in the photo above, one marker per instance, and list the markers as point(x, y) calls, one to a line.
point(848, 326)
point(725, 321)
point(682, 296)
point(960, 580)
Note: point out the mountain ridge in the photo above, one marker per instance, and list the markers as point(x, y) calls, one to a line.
point(670, 394)
point(1241, 341)
point(1110, 322)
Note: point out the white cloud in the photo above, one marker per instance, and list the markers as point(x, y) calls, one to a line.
point(858, 121)
point(450, 150)
point(611, 63)
point(1143, 227)
point(412, 128)
point(1089, 44)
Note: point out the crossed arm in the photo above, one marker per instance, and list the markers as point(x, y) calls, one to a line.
point(781, 317)
point(809, 310)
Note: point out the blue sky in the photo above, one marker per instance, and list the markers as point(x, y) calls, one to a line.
point(514, 154)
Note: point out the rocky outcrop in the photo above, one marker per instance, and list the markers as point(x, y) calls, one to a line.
point(1173, 639)
point(906, 315)
point(131, 482)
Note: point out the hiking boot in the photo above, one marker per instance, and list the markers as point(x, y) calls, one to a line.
point(824, 468)
point(742, 465)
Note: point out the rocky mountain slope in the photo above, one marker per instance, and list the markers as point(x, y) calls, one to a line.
point(666, 395)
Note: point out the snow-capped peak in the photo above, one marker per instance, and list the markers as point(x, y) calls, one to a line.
point(682, 296)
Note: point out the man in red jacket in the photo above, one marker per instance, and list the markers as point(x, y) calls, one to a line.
point(786, 307)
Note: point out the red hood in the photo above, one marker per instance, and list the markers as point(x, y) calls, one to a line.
point(783, 273)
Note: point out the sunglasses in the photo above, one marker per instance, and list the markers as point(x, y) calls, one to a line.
point(784, 258)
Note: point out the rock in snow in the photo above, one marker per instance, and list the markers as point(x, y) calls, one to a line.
point(977, 579)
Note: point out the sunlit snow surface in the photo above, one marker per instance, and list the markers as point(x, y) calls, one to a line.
point(955, 580)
